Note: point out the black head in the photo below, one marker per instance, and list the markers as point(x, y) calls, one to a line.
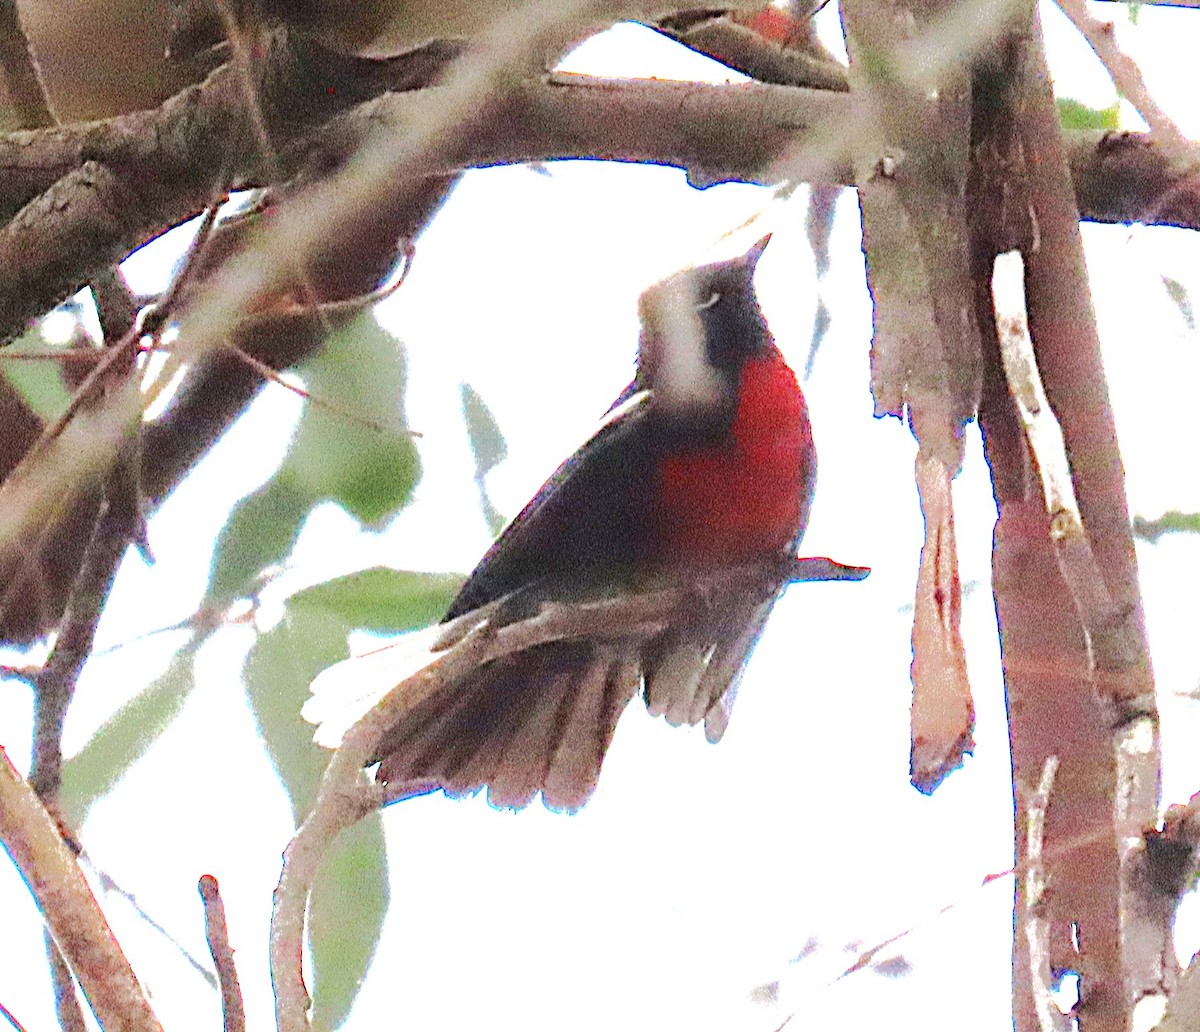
point(734, 327)
point(698, 327)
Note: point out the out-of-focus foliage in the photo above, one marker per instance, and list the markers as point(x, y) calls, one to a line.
point(1074, 114)
point(122, 739)
point(1168, 523)
point(384, 600)
point(1178, 293)
point(488, 447)
point(351, 447)
point(39, 383)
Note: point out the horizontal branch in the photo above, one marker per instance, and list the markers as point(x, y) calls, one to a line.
point(109, 186)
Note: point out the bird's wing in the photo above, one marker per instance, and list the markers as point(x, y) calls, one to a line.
point(692, 670)
point(581, 520)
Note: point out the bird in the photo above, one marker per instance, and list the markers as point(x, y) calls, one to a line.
point(704, 462)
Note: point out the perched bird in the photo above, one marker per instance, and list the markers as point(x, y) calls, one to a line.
point(705, 461)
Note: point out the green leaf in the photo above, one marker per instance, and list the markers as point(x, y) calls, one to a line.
point(353, 447)
point(125, 737)
point(383, 600)
point(260, 532)
point(1178, 293)
point(1072, 114)
point(487, 441)
point(488, 447)
point(345, 916)
point(1173, 522)
point(278, 671)
point(38, 381)
point(350, 896)
point(350, 447)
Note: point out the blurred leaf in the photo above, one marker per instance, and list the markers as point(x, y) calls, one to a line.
point(260, 532)
point(893, 967)
point(1178, 293)
point(126, 736)
point(383, 600)
point(488, 447)
point(278, 670)
point(1075, 115)
point(1169, 522)
point(818, 228)
point(349, 901)
point(371, 470)
point(1135, 10)
point(350, 896)
point(38, 381)
point(487, 441)
point(358, 375)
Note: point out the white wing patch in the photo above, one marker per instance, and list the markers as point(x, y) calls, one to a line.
point(344, 693)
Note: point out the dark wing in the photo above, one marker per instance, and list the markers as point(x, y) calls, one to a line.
point(581, 525)
point(543, 719)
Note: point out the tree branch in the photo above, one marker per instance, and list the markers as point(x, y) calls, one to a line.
point(49, 868)
point(1123, 69)
point(457, 650)
point(21, 73)
point(216, 931)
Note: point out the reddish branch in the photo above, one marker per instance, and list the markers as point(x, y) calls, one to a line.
point(216, 931)
point(32, 839)
point(1072, 692)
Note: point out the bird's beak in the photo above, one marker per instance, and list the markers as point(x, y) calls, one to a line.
point(752, 256)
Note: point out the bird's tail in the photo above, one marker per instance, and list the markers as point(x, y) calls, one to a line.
point(537, 721)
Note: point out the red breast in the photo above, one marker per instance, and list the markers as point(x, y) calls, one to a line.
point(750, 493)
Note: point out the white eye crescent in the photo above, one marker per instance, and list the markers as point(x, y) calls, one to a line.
point(713, 298)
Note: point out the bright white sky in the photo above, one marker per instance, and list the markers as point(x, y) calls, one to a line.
point(696, 873)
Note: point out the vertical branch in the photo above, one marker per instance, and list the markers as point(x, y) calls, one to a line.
point(1064, 575)
point(216, 930)
point(911, 73)
point(1063, 327)
point(116, 527)
point(66, 1003)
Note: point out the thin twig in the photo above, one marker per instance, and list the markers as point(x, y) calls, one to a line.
point(244, 60)
point(327, 309)
point(1126, 75)
point(111, 887)
point(155, 316)
point(217, 932)
point(7, 1015)
point(273, 376)
point(49, 867)
point(83, 356)
point(115, 528)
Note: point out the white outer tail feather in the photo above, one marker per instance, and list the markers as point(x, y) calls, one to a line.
point(344, 693)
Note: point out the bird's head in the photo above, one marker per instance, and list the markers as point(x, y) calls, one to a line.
point(698, 326)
